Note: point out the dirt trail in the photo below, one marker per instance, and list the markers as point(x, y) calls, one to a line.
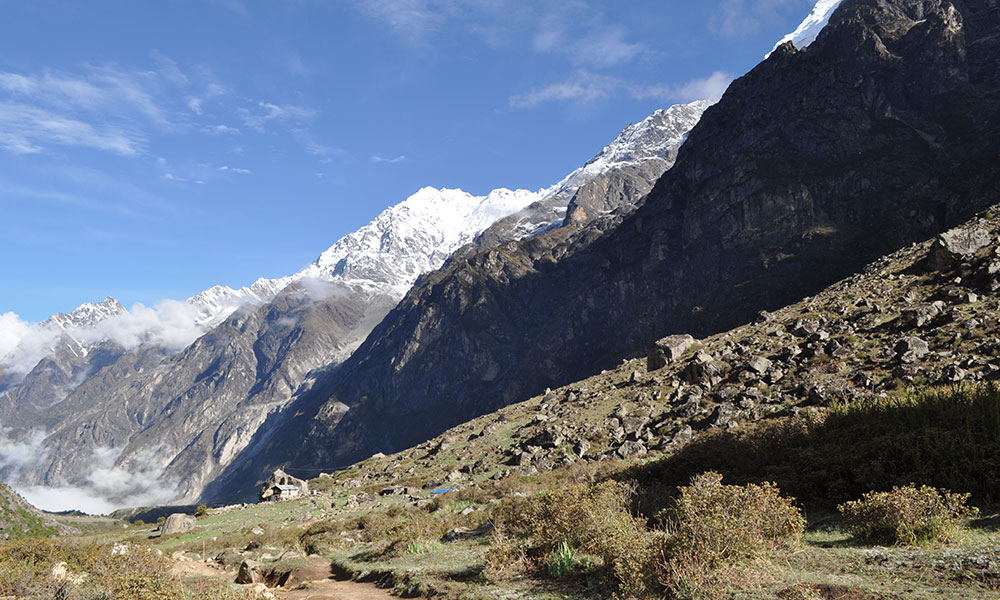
point(331, 589)
point(320, 588)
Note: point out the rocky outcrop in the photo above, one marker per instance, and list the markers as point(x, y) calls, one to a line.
point(177, 523)
point(880, 133)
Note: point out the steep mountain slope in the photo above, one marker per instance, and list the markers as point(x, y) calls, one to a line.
point(902, 323)
point(881, 132)
point(150, 425)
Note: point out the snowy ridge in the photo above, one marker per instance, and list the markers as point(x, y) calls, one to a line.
point(88, 314)
point(653, 138)
point(414, 237)
point(807, 31)
point(219, 301)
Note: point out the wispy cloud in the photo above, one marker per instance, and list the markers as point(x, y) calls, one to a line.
point(237, 170)
point(574, 29)
point(26, 129)
point(588, 42)
point(388, 159)
point(411, 20)
point(172, 177)
point(221, 130)
point(586, 87)
point(104, 107)
point(743, 18)
point(266, 112)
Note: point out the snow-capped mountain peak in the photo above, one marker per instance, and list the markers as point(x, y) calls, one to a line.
point(807, 31)
point(414, 236)
point(88, 314)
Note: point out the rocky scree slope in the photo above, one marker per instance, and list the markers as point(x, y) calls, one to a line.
point(882, 132)
point(173, 420)
point(922, 316)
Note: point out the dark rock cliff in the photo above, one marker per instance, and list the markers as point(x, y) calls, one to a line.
point(881, 133)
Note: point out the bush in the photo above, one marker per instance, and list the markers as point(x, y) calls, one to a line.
point(907, 515)
point(592, 519)
point(201, 511)
point(712, 525)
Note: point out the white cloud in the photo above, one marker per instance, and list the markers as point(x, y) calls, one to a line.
point(105, 107)
point(19, 455)
point(388, 159)
point(12, 331)
point(743, 18)
point(107, 486)
point(25, 129)
point(267, 112)
point(583, 87)
point(586, 87)
point(412, 20)
point(590, 43)
point(709, 88)
point(222, 130)
point(237, 170)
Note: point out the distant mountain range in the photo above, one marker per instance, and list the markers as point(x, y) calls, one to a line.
point(111, 407)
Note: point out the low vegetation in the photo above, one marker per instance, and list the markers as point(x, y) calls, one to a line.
point(907, 515)
point(70, 569)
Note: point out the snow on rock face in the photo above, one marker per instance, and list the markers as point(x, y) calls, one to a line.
point(414, 236)
point(809, 29)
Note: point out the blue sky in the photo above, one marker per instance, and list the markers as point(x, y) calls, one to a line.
point(152, 150)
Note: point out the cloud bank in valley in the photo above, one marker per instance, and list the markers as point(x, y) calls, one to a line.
point(108, 486)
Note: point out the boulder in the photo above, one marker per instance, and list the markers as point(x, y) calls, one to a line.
point(666, 350)
point(631, 449)
point(177, 523)
point(911, 349)
point(759, 364)
point(956, 245)
point(249, 573)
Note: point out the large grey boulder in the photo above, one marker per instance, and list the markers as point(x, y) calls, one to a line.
point(177, 523)
point(666, 350)
point(957, 245)
point(911, 349)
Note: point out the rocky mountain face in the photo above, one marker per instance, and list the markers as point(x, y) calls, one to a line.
point(143, 423)
point(881, 132)
point(922, 316)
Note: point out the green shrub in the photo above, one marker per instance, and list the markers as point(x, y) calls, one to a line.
point(593, 519)
point(201, 511)
point(907, 515)
point(560, 561)
point(712, 526)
